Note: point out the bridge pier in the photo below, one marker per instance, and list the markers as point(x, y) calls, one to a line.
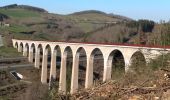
point(20, 48)
point(44, 67)
point(53, 66)
point(30, 58)
point(89, 72)
point(62, 81)
point(74, 77)
point(37, 58)
point(127, 63)
point(107, 68)
point(25, 52)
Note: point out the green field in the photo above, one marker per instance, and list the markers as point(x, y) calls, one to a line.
point(19, 13)
point(14, 28)
point(9, 52)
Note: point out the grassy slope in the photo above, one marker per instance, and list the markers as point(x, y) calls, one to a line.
point(22, 15)
point(19, 18)
point(86, 20)
point(93, 17)
point(113, 34)
point(19, 13)
point(9, 52)
point(15, 28)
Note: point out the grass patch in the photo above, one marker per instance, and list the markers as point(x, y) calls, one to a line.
point(160, 62)
point(15, 28)
point(9, 52)
point(42, 36)
point(19, 13)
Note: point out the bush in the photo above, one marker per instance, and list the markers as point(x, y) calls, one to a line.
point(145, 25)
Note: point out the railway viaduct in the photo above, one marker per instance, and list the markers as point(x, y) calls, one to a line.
point(33, 49)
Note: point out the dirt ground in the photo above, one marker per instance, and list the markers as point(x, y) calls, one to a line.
point(30, 88)
point(145, 87)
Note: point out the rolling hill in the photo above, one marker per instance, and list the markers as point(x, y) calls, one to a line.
point(27, 22)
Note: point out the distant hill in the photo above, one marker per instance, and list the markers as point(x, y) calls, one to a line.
point(87, 12)
point(27, 22)
point(121, 17)
point(24, 7)
point(99, 13)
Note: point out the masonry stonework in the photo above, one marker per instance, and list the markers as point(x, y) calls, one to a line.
point(127, 51)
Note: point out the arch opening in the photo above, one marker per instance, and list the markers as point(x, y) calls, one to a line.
point(40, 53)
point(54, 82)
point(69, 61)
point(33, 51)
point(98, 65)
point(16, 45)
point(117, 64)
point(27, 49)
point(137, 62)
point(48, 59)
point(82, 63)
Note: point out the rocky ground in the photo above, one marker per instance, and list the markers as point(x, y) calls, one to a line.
point(29, 88)
point(157, 88)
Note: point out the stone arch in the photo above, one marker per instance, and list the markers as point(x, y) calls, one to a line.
point(26, 50)
point(55, 66)
point(47, 58)
point(16, 45)
point(68, 53)
point(45, 73)
point(137, 61)
point(97, 59)
point(38, 61)
point(81, 57)
point(57, 51)
point(116, 63)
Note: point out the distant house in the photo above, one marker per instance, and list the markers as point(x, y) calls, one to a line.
point(7, 25)
point(4, 24)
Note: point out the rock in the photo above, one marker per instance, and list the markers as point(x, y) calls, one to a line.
point(167, 76)
point(135, 97)
point(156, 98)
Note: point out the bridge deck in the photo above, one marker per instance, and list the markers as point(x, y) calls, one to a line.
point(110, 44)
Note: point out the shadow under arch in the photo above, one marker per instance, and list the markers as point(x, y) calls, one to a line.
point(47, 58)
point(55, 73)
point(97, 65)
point(40, 55)
point(26, 47)
point(69, 62)
point(82, 63)
point(16, 45)
point(33, 51)
point(117, 64)
point(137, 62)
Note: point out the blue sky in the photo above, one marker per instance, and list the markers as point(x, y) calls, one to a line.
point(136, 9)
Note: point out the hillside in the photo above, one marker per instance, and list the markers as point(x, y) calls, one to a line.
point(110, 17)
point(13, 6)
point(28, 22)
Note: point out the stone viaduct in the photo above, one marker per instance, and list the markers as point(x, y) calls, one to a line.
point(32, 50)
